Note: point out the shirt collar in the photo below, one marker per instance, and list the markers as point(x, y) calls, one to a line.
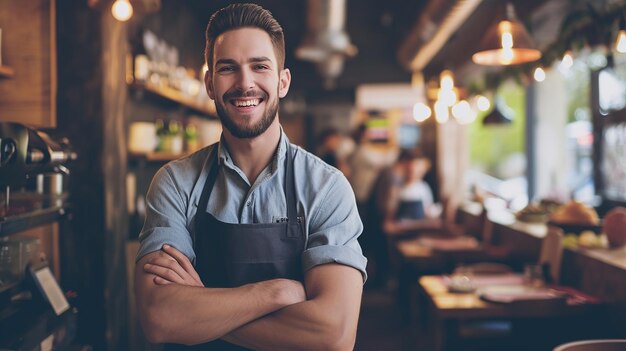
point(225, 158)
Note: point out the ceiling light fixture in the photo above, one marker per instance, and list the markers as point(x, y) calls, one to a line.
point(500, 115)
point(122, 10)
point(620, 42)
point(506, 43)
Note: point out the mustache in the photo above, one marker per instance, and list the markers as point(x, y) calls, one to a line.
point(244, 94)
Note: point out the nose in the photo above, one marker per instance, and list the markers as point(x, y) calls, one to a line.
point(245, 79)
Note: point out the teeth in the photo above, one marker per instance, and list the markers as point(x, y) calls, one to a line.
point(246, 103)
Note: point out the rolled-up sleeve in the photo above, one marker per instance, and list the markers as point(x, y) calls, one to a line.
point(335, 226)
point(166, 220)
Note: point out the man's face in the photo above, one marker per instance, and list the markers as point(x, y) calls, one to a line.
point(246, 82)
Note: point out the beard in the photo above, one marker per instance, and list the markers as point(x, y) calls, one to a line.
point(247, 130)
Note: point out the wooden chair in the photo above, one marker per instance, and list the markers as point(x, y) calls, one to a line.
point(551, 254)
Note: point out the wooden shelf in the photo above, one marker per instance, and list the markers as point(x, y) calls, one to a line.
point(19, 223)
point(177, 97)
point(158, 156)
point(6, 72)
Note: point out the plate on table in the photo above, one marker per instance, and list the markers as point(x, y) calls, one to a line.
point(520, 293)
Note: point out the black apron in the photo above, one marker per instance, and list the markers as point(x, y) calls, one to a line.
point(230, 255)
point(410, 210)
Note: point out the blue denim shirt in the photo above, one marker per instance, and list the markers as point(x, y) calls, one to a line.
point(325, 204)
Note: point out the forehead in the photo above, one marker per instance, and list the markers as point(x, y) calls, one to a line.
point(242, 44)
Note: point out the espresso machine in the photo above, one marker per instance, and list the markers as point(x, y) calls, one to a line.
point(33, 174)
point(31, 161)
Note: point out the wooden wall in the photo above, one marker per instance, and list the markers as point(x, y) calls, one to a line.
point(91, 95)
point(29, 48)
point(29, 96)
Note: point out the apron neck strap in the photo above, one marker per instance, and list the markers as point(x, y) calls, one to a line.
point(289, 187)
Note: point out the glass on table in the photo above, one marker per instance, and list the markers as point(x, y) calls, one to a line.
point(533, 275)
point(461, 280)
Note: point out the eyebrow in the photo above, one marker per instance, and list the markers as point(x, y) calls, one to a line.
point(227, 61)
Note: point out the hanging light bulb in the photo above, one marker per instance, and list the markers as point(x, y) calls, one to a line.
point(421, 112)
point(482, 103)
point(446, 80)
point(447, 93)
point(506, 43)
point(122, 10)
point(620, 43)
point(442, 112)
point(447, 97)
point(540, 74)
point(566, 62)
point(463, 113)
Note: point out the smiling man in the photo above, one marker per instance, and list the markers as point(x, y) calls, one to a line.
point(250, 243)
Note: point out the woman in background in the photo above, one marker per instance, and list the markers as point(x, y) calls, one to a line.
point(408, 199)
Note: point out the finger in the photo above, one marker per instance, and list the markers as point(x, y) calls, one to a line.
point(169, 269)
point(160, 281)
point(163, 272)
point(183, 260)
point(179, 257)
point(168, 262)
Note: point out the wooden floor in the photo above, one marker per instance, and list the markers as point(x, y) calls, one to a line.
point(381, 325)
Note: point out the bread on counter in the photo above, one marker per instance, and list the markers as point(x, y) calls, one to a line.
point(575, 212)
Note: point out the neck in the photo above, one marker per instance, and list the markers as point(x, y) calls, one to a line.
point(254, 154)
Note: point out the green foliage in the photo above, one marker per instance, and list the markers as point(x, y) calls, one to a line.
point(490, 145)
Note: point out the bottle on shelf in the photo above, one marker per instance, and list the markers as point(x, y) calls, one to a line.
point(191, 138)
point(176, 137)
point(161, 132)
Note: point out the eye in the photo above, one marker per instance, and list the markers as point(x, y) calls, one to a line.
point(261, 67)
point(226, 69)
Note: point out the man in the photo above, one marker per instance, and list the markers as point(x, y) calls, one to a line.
point(271, 229)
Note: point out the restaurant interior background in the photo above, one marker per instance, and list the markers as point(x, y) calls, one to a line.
point(552, 128)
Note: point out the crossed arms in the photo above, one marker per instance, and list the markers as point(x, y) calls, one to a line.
point(277, 314)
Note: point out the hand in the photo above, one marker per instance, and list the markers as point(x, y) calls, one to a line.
point(172, 267)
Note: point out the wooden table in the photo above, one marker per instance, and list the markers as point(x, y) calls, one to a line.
point(437, 254)
point(448, 309)
point(447, 252)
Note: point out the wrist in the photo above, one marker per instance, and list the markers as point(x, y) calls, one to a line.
point(280, 292)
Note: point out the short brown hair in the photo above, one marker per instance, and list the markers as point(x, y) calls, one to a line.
point(236, 16)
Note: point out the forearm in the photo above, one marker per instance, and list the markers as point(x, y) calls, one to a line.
point(297, 327)
point(325, 322)
point(191, 315)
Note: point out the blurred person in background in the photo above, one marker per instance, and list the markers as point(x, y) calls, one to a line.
point(400, 202)
point(366, 163)
point(335, 149)
point(405, 199)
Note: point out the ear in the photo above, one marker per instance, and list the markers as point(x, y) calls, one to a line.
point(208, 84)
point(284, 82)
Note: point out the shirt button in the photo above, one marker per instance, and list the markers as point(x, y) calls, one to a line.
point(248, 204)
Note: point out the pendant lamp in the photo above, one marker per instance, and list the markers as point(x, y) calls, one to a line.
point(506, 43)
point(500, 115)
